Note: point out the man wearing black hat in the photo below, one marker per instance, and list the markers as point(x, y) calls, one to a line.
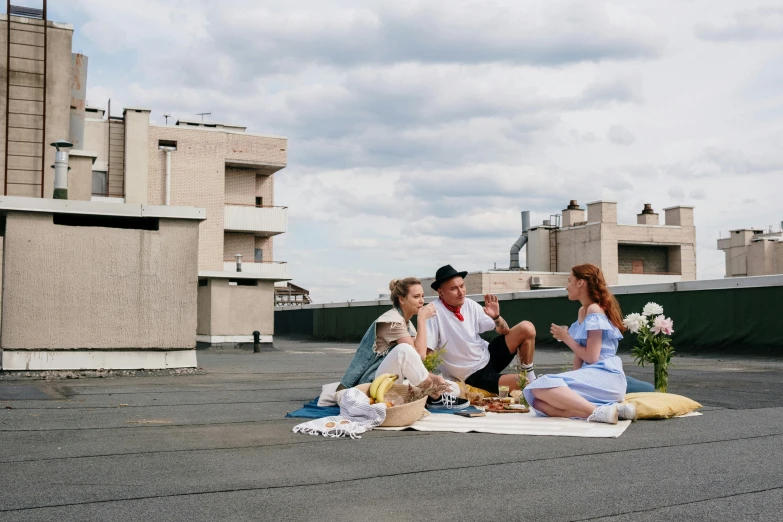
point(458, 323)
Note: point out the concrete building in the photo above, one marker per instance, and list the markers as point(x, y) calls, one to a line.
point(645, 252)
point(752, 252)
point(96, 285)
point(223, 169)
point(124, 159)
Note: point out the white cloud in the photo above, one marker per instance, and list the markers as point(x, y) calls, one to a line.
point(765, 22)
point(419, 130)
point(620, 135)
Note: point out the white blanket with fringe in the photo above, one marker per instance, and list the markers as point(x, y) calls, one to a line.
point(516, 424)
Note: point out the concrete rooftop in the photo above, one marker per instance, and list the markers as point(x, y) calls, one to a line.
point(215, 446)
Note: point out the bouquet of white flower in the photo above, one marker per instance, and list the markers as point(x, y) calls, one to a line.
point(653, 341)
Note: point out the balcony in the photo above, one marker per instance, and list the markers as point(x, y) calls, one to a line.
point(262, 221)
point(269, 269)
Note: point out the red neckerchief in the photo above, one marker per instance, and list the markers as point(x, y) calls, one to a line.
point(455, 310)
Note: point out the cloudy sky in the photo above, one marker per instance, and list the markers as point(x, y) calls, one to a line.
point(418, 130)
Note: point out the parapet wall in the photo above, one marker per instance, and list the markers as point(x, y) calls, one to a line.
point(724, 315)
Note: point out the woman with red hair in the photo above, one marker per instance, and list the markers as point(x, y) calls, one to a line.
point(595, 386)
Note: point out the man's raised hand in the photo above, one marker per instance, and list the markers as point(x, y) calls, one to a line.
point(491, 306)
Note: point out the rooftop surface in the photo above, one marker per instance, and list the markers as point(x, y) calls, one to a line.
point(216, 446)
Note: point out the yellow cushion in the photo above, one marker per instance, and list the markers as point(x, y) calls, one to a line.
point(654, 405)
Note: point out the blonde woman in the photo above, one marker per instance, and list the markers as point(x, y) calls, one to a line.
point(393, 345)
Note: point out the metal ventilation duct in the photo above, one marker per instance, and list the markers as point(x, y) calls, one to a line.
point(520, 242)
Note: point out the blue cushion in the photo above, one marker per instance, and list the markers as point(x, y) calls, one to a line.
point(636, 386)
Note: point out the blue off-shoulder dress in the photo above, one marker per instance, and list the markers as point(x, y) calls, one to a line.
point(602, 382)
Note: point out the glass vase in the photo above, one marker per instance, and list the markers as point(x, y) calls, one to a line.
point(661, 372)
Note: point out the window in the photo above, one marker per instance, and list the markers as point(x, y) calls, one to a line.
point(259, 201)
point(88, 220)
point(243, 282)
point(99, 187)
point(258, 256)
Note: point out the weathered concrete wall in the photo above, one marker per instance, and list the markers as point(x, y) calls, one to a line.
point(241, 310)
point(78, 99)
point(93, 287)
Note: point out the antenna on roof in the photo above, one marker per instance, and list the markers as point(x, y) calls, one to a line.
point(202, 114)
point(167, 116)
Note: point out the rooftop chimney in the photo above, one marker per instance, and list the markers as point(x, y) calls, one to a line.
point(648, 216)
point(572, 214)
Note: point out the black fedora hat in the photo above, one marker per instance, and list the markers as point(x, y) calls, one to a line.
point(445, 273)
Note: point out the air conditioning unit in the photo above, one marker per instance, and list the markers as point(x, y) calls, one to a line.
point(535, 281)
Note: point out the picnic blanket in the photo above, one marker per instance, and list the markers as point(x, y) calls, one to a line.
point(311, 410)
point(517, 424)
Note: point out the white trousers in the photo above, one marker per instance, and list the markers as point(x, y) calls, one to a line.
point(405, 362)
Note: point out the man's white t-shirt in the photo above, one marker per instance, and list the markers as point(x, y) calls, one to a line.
point(466, 352)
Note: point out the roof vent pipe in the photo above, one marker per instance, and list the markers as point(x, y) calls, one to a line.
point(168, 150)
point(520, 242)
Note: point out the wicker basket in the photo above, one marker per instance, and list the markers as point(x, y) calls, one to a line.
point(403, 415)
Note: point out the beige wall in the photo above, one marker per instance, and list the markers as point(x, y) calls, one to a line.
point(71, 287)
point(259, 149)
point(579, 245)
point(200, 177)
point(80, 178)
point(58, 96)
point(537, 253)
point(238, 243)
point(204, 310)
point(602, 211)
point(236, 310)
point(597, 243)
point(265, 244)
point(197, 179)
point(265, 188)
point(240, 186)
point(137, 152)
point(500, 282)
point(95, 139)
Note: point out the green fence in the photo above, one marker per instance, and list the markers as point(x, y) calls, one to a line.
point(745, 319)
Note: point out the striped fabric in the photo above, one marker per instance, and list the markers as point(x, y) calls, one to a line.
point(602, 382)
point(357, 415)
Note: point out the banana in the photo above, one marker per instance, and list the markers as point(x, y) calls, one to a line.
point(384, 387)
point(378, 380)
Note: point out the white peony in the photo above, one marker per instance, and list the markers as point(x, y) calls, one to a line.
point(652, 309)
point(634, 322)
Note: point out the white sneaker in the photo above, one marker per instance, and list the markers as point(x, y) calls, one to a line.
point(607, 414)
point(626, 411)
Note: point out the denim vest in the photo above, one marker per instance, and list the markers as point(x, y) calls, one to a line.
point(366, 360)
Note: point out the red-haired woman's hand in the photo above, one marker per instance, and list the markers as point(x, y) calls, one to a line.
point(559, 332)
